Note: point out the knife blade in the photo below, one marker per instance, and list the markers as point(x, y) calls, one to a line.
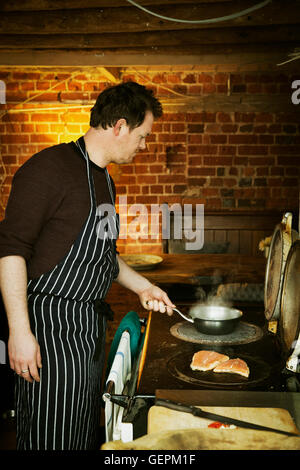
point(198, 412)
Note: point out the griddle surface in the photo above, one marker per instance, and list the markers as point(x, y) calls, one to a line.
point(163, 370)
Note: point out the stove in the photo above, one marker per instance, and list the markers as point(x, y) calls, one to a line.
point(170, 346)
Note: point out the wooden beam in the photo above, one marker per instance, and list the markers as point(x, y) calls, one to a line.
point(197, 55)
point(41, 5)
point(128, 19)
point(259, 34)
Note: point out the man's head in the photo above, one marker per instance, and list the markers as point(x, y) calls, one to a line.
point(120, 121)
point(129, 101)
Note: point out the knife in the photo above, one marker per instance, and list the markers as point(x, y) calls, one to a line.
point(195, 411)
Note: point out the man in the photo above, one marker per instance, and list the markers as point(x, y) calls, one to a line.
point(58, 260)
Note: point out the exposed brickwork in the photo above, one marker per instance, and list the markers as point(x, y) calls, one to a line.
point(225, 160)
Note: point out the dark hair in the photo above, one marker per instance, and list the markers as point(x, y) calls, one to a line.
point(128, 100)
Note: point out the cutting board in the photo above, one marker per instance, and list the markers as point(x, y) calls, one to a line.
point(184, 431)
point(164, 419)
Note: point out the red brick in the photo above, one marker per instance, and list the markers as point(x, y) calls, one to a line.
point(127, 179)
point(224, 117)
point(242, 139)
point(205, 78)
point(206, 171)
point(173, 78)
point(196, 181)
point(195, 139)
point(178, 127)
point(252, 150)
point(285, 149)
point(229, 182)
point(209, 88)
point(9, 159)
point(212, 128)
point(289, 160)
point(147, 199)
point(218, 139)
point(35, 138)
point(171, 117)
point(156, 189)
point(148, 179)
point(266, 139)
point(244, 117)
point(15, 139)
point(192, 161)
point(47, 117)
point(264, 117)
point(256, 161)
point(190, 78)
point(47, 96)
point(217, 161)
point(210, 192)
point(179, 188)
point(221, 78)
point(26, 75)
point(227, 150)
point(195, 89)
point(229, 128)
point(262, 171)
point(200, 117)
point(207, 149)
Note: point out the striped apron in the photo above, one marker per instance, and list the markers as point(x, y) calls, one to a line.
point(62, 411)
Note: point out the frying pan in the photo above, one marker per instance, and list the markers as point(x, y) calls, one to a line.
point(213, 319)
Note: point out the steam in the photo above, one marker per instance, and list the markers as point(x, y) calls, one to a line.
point(218, 296)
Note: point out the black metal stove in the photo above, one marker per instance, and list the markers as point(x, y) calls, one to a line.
point(171, 344)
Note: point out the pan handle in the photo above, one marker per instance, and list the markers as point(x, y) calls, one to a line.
point(180, 313)
point(183, 316)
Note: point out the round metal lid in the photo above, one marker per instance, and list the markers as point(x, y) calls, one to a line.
point(273, 273)
point(282, 239)
point(290, 300)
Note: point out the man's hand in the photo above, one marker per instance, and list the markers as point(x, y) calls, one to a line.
point(154, 298)
point(24, 356)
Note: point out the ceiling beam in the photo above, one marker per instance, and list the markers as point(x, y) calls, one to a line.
point(41, 5)
point(125, 19)
point(259, 34)
point(199, 55)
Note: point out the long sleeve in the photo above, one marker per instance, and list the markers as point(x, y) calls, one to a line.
point(34, 198)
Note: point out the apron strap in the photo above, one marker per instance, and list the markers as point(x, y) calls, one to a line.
point(81, 145)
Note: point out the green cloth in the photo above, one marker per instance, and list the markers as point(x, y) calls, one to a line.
point(131, 323)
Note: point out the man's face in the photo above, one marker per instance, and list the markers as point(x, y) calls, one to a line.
point(129, 142)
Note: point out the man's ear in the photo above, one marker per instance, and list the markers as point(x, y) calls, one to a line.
point(118, 126)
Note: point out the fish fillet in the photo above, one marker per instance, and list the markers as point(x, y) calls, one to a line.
point(233, 366)
point(207, 360)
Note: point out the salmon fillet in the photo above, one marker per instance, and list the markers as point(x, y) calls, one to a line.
point(233, 366)
point(207, 360)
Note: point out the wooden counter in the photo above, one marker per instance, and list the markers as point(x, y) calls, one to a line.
point(191, 268)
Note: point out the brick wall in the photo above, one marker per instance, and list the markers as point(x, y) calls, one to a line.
point(228, 160)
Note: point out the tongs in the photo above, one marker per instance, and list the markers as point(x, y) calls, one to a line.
point(196, 411)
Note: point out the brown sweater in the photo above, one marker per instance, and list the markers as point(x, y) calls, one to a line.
point(48, 204)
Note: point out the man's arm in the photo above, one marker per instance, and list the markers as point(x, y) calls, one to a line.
point(151, 296)
point(23, 349)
